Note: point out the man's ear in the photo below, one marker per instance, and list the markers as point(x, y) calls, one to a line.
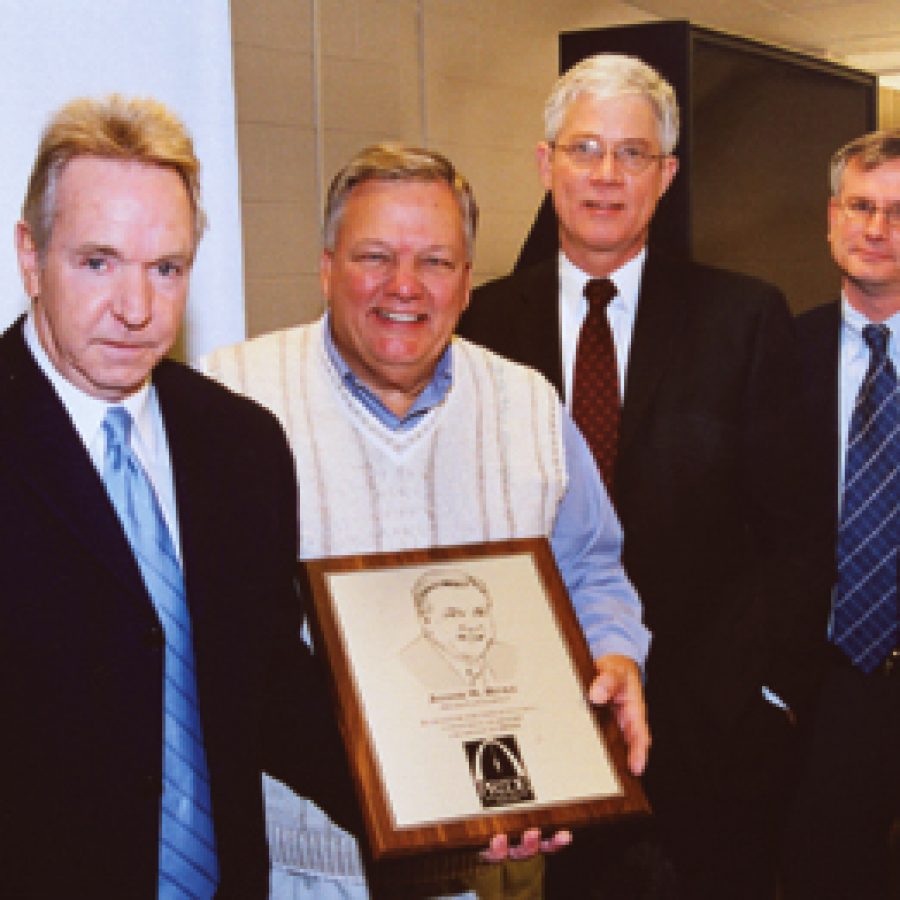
point(467, 276)
point(544, 157)
point(833, 210)
point(325, 261)
point(29, 260)
point(669, 171)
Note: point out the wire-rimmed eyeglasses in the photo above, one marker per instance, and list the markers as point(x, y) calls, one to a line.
point(861, 210)
point(631, 156)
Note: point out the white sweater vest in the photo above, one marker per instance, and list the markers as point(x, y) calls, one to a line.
point(485, 464)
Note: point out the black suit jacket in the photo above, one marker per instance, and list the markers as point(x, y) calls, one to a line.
point(707, 482)
point(819, 334)
point(81, 648)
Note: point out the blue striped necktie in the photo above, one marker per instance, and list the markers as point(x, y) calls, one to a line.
point(865, 611)
point(187, 854)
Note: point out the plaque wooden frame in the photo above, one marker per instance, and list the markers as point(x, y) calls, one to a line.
point(386, 839)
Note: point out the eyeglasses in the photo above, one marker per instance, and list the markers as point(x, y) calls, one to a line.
point(632, 157)
point(860, 210)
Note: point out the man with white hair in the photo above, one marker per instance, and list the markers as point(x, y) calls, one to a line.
point(682, 378)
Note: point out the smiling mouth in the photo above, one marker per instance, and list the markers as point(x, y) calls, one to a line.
point(401, 318)
point(604, 206)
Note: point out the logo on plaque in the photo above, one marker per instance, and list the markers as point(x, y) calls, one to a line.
point(497, 769)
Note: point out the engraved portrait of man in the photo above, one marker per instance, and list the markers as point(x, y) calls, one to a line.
point(457, 649)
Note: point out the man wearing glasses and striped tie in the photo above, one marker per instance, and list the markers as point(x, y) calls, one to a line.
point(849, 794)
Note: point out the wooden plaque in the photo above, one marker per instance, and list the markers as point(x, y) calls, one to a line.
point(460, 676)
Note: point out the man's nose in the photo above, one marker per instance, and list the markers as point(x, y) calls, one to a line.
point(605, 167)
point(877, 224)
point(134, 297)
point(403, 278)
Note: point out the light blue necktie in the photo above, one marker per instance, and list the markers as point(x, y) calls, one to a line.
point(865, 610)
point(187, 853)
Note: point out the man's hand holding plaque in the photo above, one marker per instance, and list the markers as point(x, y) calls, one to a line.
point(618, 683)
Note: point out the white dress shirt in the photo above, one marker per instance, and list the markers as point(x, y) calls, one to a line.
point(620, 313)
point(148, 435)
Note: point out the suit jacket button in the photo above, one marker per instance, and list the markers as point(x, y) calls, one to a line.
point(100, 672)
point(154, 637)
point(152, 785)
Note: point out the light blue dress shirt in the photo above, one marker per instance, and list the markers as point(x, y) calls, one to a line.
point(586, 538)
point(854, 363)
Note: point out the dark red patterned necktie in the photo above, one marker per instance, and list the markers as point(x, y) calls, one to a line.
point(595, 387)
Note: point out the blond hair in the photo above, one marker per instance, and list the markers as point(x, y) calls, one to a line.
point(115, 127)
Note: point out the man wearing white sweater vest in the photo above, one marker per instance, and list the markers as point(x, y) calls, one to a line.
point(405, 437)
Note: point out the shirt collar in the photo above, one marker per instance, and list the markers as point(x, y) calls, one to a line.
point(626, 278)
point(431, 395)
point(854, 321)
point(87, 412)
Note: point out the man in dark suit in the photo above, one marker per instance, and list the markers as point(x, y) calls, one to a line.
point(702, 473)
point(90, 808)
point(849, 792)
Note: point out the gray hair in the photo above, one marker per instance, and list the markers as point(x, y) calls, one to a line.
point(390, 161)
point(608, 75)
point(872, 150)
point(438, 578)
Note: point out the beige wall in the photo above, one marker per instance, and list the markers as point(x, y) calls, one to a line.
point(888, 108)
point(318, 79)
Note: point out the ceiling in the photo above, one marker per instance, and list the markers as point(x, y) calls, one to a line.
point(864, 34)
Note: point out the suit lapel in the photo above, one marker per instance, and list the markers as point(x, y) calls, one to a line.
point(537, 320)
point(192, 481)
point(820, 343)
point(824, 387)
point(41, 446)
point(198, 488)
point(660, 317)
